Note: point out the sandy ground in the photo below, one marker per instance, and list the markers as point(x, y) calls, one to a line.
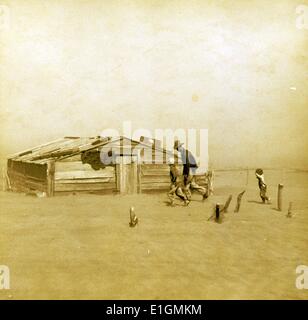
point(81, 247)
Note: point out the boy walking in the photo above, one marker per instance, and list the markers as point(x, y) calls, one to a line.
point(262, 186)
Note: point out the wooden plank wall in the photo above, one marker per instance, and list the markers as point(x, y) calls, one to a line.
point(127, 177)
point(157, 177)
point(74, 176)
point(26, 177)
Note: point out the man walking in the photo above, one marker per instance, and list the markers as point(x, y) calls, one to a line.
point(189, 169)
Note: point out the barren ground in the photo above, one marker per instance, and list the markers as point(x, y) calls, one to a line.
point(81, 246)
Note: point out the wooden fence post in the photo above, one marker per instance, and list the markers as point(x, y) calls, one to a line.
point(226, 206)
point(217, 212)
point(133, 218)
point(279, 197)
point(139, 178)
point(239, 199)
point(289, 215)
point(211, 182)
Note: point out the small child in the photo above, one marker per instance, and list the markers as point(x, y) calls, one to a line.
point(262, 185)
point(177, 187)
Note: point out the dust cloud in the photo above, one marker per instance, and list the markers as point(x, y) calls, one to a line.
point(236, 68)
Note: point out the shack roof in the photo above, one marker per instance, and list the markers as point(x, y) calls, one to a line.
point(70, 146)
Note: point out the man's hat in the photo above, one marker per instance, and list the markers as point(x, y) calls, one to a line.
point(177, 144)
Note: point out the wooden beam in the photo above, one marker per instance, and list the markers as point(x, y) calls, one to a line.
point(50, 178)
point(84, 186)
point(139, 189)
point(85, 181)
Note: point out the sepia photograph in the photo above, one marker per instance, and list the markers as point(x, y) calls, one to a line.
point(153, 150)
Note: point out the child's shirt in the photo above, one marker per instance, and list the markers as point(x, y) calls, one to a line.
point(261, 180)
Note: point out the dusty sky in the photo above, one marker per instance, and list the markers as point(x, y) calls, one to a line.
point(238, 68)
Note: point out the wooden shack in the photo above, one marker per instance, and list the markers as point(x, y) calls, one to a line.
point(91, 165)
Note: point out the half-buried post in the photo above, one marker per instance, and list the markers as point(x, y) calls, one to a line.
point(217, 212)
point(238, 203)
point(279, 197)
